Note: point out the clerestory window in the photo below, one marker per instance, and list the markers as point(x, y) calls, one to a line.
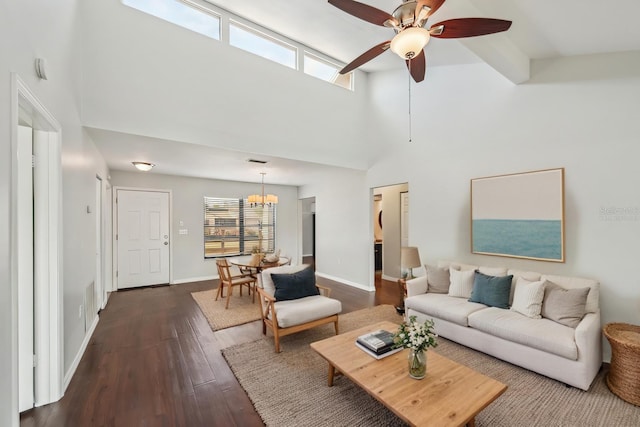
point(195, 16)
point(181, 12)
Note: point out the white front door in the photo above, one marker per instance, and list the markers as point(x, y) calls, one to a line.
point(142, 238)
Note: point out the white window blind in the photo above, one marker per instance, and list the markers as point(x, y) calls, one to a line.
point(232, 227)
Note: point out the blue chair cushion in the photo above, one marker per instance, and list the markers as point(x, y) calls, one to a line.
point(295, 285)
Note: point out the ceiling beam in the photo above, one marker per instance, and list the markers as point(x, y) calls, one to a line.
point(497, 50)
point(501, 55)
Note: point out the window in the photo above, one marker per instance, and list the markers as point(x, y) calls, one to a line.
point(207, 20)
point(183, 13)
point(232, 227)
point(326, 71)
point(261, 44)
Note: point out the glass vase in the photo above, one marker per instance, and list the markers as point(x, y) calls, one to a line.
point(417, 363)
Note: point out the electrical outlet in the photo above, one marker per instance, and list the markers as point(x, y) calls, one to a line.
point(80, 312)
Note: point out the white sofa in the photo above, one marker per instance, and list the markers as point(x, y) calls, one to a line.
point(572, 356)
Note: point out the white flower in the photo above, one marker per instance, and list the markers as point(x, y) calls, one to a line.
point(416, 335)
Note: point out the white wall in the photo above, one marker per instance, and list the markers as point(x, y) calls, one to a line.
point(344, 233)
point(30, 29)
point(580, 114)
point(8, 346)
point(188, 263)
point(146, 76)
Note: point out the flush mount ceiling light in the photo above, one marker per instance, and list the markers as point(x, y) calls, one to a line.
point(143, 166)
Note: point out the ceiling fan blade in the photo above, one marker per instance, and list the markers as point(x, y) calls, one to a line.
point(366, 57)
point(363, 11)
point(433, 5)
point(468, 27)
point(417, 66)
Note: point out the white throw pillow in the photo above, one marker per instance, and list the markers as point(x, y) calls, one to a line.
point(461, 283)
point(528, 296)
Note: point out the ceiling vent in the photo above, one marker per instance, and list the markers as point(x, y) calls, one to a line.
point(262, 162)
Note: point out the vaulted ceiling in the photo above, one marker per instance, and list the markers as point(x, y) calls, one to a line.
point(541, 29)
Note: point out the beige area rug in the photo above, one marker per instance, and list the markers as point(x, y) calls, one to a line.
point(241, 310)
point(290, 389)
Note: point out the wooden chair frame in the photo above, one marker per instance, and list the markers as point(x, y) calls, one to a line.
point(267, 308)
point(228, 280)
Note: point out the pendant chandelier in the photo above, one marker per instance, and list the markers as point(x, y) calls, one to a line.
point(261, 199)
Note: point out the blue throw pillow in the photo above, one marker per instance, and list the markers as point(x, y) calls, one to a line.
point(295, 285)
point(493, 291)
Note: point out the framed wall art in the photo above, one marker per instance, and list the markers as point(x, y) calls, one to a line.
point(519, 215)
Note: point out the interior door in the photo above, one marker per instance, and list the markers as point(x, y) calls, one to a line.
point(26, 375)
point(142, 238)
point(99, 288)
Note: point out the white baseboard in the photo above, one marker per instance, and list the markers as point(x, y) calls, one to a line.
point(346, 282)
point(307, 254)
point(76, 360)
point(194, 279)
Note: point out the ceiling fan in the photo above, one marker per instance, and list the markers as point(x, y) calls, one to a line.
point(408, 21)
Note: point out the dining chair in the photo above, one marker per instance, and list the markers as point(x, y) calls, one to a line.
point(229, 281)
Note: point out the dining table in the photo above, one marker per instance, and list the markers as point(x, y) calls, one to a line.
point(244, 264)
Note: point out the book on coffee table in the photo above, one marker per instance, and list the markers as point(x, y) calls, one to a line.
point(377, 343)
point(378, 356)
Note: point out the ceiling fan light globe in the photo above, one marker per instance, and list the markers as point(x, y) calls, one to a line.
point(409, 42)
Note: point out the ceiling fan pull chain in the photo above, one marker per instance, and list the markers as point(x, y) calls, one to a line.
point(410, 140)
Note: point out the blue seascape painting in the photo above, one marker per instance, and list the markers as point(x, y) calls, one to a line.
point(522, 238)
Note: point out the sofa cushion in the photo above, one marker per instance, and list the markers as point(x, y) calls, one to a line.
point(565, 306)
point(527, 299)
point(493, 271)
point(444, 307)
point(303, 310)
point(295, 285)
point(438, 279)
point(528, 275)
point(456, 265)
point(491, 290)
point(461, 283)
point(542, 334)
point(567, 282)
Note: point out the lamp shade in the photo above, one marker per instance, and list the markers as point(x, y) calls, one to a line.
point(409, 257)
point(409, 42)
point(270, 198)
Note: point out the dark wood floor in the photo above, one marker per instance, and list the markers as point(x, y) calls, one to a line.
point(153, 360)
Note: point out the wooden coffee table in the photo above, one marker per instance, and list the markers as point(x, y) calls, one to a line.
point(450, 395)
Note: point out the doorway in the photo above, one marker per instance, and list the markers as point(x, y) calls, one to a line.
point(309, 231)
point(389, 227)
point(36, 247)
point(99, 287)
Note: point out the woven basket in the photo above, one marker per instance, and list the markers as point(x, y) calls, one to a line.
point(623, 378)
